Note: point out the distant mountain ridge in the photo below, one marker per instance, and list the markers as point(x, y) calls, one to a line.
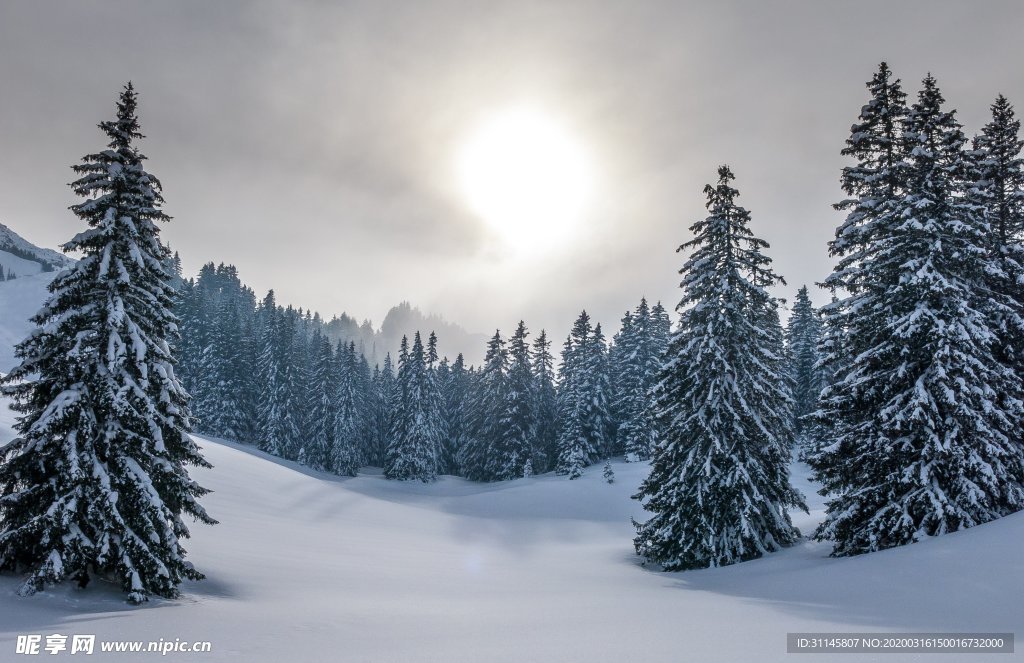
point(405, 320)
point(24, 258)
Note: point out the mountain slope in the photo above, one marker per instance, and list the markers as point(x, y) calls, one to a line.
point(18, 254)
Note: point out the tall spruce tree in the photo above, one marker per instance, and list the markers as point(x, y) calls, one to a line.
point(521, 408)
point(546, 407)
point(456, 395)
point(640, 349)
point(412, 451)
point(96, 481)
point(719, 483)
point(490, 452)
point(918, 432)
point(345, 456)
point(803, 335)
point(996, 188)
point(318, 450)
point(577, 447)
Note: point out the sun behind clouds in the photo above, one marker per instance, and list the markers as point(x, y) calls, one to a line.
point(526, 177)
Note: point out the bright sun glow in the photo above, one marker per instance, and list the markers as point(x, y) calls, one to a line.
point(524, 175)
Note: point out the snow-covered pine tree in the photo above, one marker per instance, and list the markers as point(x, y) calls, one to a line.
point(520, 409)
point(918, 432)
point(580, 441)
point(597, 378)
point(412, 453)
point(546, 407)
point(488, 454)
point(996, 188)
point(384, 400)
point(662, 328)
point(620, 355)
point(321, 440)
point(279, 409)
point(345, 456)
point(642, 348)
point(803, 335)
point(96, 481)
point(434, 406)
point(456, 396)
point(719, 483)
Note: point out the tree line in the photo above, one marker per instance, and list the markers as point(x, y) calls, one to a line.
point(279, 378)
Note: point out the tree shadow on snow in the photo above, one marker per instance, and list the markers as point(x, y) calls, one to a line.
point(966, 581)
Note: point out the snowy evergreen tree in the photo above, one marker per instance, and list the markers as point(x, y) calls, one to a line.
point(345, 457)
point(520, 416)
point(803, 335)
point(996, 188)
point(662, 328)
point(918, 433)
point(318, 450)
point(576, 447)
point(456, 396)
point(639, 349)
point(96, 481)
point(412, 452)
point(385, 397)
point(719, 484)
point(546, 407)
point(490, 454)
point(583, 402)
point(279, 410)
point(434, 405)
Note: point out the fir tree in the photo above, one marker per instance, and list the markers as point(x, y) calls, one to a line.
point(546, 407)
point(918, 433)
point(456, 394)
point(640, 347)
point(490, 453)
point(719, 485)
point(96, 481)
point(412, 452)
point(996, 188)
point(319, 447)
point(583, 405)
point(520, 416)
point(803, 335)
point(345, 458)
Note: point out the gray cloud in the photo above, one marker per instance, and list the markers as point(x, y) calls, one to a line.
point(312, 143)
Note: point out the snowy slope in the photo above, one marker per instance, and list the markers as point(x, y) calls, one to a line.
point(19, 300)
point(17, 265)
point(309, 567)
point(13, 246)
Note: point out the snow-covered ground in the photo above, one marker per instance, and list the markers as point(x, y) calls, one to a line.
point(310, 567)
point(19, 300)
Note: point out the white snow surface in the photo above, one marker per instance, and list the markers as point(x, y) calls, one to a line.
point(19, 266)
point(20, 299)
point(306, 566)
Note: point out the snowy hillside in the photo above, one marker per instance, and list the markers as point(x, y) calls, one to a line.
point(19, 300)
point(22, 257)
point(311, 567)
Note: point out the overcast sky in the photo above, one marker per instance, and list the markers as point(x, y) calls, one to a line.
point(313, 144)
